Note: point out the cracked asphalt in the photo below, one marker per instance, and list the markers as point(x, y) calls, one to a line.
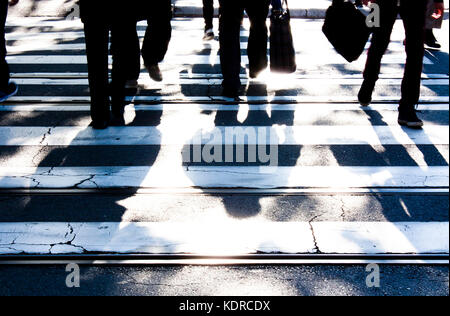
point(257, 281)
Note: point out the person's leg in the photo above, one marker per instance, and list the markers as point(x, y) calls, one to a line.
point(4, 69)
point(159, 32)
point(97, 39)
point(230, 51)
point(413, 15)
point(157, 36)
point(208, 14)
point(126, 61)
point(380, 41)
point(257, 43)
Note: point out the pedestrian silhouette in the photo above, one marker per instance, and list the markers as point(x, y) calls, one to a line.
point(230, 52)
point(102, 17)
point(413, 15)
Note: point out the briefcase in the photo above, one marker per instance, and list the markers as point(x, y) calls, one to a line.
point(433, 21)
point(282, 51)
point(346, 28)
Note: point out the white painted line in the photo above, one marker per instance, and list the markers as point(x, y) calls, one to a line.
point(53, 75)
point(47, 99)
point(30, 47)
point(180, 47)
point(177, 75)
point(56, 22)
point(298, 108)
point(191, 59)
point(60, 36)
point(202, 133)
point(288, 84)
point(243, 99)
point(164, 238)
point(382, 237)
point(328, 77)
point(230, 238)
point(19, 21)
point(172, 175)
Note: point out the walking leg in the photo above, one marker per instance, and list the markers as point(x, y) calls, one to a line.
point(4, 69)
point(230, 51)
point(257, 43)
point(413, 15)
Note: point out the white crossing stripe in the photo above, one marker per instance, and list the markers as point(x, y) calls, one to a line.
point(243, 99)
point(192, 59)
point(26, 46)
point(173, 175)
point(200, 132)
point(176, 74)
point(229, 238)
point(300, 109)
point(288, 84)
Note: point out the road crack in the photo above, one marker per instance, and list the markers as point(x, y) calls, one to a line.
point(316, 245)
point(43, 147)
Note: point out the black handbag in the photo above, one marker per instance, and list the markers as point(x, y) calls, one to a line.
point(282, 51)
point(346, 28)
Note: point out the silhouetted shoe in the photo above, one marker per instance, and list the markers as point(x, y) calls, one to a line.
point(230, 93)
point(117, 120)
point(431, 41)
point(155, 73)
point(117, 116)
point(408, 117)
point(365, 93)
point(209, 35)
point(8, 92)
point(253, 74)
point(100, 124)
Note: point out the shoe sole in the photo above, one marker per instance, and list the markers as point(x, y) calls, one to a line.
point(410, 124)
point(6, 97)
point(156, 79)
point(433, 47)
point(364, 104)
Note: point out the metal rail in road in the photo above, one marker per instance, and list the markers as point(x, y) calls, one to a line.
point(227, 191)
point(168, 260)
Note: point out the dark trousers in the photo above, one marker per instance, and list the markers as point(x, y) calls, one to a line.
point(126, 48)
point(4, 69)
point(96, 28)
point(413, 16)
point(230, 53)
point(208, 13)
point(158, 33)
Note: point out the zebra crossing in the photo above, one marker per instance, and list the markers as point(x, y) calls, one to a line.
point(336, 178)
